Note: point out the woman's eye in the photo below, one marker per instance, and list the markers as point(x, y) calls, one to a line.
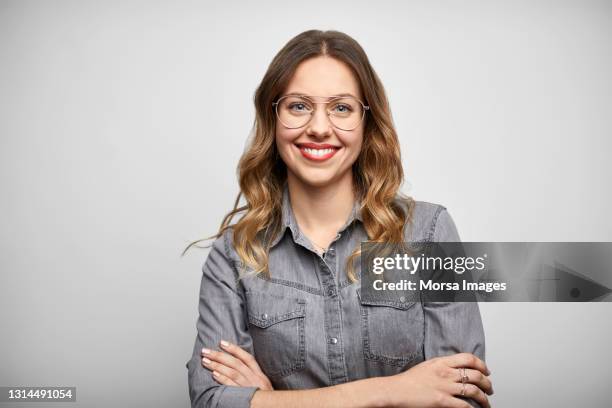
point(298, 107)
point(342, 108)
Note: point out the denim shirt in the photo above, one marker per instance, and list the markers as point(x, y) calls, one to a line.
point(307, 325)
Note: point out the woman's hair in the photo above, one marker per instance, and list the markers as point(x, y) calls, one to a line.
point(377, 173)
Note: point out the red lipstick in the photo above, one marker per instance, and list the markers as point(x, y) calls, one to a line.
point(317, 151)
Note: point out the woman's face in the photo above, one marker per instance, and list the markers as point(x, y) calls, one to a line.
point(335, 150)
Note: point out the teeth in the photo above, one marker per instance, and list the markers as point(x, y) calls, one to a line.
point(318, 152)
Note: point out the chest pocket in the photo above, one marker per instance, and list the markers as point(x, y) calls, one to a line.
point(392, 331)
point(276, 325)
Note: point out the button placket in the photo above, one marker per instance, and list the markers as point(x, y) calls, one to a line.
point(333, 325)
point(333, 259)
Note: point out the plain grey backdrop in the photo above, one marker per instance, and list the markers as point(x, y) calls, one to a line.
point(122, 123)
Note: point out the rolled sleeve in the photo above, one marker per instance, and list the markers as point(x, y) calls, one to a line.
point(221, 316)
point(452, 327)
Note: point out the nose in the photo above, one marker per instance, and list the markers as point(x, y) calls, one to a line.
point(319, 125)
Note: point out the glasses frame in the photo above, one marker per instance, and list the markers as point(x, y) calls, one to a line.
point(331, 99)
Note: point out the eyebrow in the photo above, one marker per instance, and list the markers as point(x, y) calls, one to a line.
point(332, 96)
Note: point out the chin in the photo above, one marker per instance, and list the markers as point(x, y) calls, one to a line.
point(317, 181)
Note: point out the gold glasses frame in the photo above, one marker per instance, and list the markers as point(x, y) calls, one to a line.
point(329, 113)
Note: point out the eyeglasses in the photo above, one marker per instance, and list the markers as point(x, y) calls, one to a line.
point(344, 112)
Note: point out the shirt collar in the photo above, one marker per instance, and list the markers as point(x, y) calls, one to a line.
point(288, 218)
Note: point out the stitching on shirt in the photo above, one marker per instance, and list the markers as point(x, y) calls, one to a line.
point(391, 303)
point(277, 319)
point(295, 285)
point(434, 222)
point(226, 249)
point(346, 283)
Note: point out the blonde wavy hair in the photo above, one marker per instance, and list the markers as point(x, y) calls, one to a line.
point(377, 173)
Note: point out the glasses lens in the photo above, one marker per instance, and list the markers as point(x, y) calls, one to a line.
point(294, 111)
point(345, 113)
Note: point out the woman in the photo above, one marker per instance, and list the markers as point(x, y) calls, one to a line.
point(282, 322)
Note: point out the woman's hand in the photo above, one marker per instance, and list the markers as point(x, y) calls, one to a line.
point(235, 367)
point(437, 383)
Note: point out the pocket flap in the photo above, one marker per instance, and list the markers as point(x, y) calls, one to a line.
point(397, 301)
point(265, 310)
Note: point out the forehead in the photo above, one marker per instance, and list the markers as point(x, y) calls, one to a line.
point(324, 76)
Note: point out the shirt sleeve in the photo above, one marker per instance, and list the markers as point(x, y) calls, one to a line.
point(452, 327)
point(221, 316)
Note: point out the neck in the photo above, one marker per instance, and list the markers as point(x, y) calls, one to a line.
point(322, 210)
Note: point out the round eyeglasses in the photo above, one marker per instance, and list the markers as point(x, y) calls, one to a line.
point(344, 112)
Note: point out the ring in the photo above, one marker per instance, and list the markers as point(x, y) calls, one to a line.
point(464, 377)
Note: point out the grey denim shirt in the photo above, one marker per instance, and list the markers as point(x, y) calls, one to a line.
point(308, 327)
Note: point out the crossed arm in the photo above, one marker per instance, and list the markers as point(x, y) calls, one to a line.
point(434, 383)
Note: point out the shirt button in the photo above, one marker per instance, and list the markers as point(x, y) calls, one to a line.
point(331, 292)
point(402, 299)
point(264, 316)
point(333, 340)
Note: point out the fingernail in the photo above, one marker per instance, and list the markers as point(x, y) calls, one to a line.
point(216, 374)
point(224, 343)
point(206, 351)
point(207, 361)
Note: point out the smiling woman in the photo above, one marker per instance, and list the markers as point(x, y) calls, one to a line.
point(319, 146)
point(282, 321)
point(303, 132)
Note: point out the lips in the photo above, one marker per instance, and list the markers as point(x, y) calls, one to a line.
point(317, 151)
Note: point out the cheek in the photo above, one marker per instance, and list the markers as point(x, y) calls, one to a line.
point(281, 135)
point(283, 139)
point(353, 143)
point(284, 142)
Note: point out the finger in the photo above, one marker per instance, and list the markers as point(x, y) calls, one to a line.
point(244, 356)
point(473, 376)
point(225, 359)
point(227, 372)
point(467, 360)
point(223, 379)
point(471, 391)
point(480, 380)
point(240, 373)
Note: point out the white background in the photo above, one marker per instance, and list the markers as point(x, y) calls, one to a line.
point(122, 122)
